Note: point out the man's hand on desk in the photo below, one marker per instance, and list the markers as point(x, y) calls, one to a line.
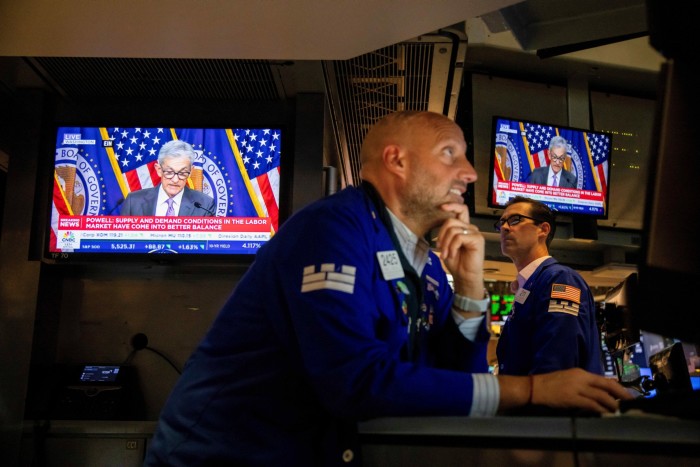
point(567, 389)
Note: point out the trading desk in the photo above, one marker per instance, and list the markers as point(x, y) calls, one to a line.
point(637, 440)
point(627, 440)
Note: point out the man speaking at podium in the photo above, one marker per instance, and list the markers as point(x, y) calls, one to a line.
point(554, 174)
point(172, 196)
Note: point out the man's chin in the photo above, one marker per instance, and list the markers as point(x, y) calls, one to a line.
point(173, 191)
point(440, 217)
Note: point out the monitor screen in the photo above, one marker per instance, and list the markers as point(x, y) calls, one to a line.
point(501, 306)
point(233, 189)
point(99, 373)
point(566, 168)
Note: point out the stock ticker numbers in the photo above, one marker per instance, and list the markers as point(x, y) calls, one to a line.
point(122, 246)
point(190, 247)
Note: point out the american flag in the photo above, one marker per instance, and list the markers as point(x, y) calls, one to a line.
point(60, 206)
point(566, 292)
point(260, 153)
point(599, 147)
point(537, 142)
point(136, 152)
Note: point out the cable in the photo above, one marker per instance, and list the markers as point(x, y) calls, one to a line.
point(139, 342)
point(179, 372)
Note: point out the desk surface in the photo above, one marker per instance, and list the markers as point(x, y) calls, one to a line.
point(626, 433)
point(457, 430)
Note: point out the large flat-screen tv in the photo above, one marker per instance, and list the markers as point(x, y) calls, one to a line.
point(526, 154)
point(96, 167)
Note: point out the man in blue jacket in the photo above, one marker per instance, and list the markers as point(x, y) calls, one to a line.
point(347, 314)
point(552, 325)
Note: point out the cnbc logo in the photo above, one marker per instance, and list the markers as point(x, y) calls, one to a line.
point(68, 241)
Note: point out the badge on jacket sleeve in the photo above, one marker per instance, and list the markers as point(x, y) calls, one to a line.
point(564, 299)
point(390, 264)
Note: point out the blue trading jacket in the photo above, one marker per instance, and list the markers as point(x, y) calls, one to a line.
point(549, 331)
point(313, 339)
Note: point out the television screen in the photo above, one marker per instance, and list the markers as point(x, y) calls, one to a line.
point(233, 191)
point(501, 306)
point(566, 168)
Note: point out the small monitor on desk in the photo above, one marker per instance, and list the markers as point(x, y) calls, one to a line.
point(97, 392)
point(99, 374)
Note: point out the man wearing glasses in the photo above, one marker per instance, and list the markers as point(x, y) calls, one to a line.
point(552, 325)
point(172, 197)
point(554, 174)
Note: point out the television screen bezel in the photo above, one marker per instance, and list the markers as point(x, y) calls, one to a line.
point(492, 161)
point(77, 258)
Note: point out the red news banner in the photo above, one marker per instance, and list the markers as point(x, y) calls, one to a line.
point(541, 192)
point(151, 227)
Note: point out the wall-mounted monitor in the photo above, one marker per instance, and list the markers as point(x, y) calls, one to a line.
point(564, 167)
point(95, 168)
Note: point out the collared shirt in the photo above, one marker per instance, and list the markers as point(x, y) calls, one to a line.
point(415, 249)
point(527, 271)
point(550, 174)
point(486, 393)
point(162, 205)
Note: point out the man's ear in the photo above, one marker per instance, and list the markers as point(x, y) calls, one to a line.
point(394, 160)
point(546, 228)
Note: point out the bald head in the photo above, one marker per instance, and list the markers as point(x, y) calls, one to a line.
point(397, 128)
point(417, 163)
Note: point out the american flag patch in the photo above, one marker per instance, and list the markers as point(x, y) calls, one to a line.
point(566, 292)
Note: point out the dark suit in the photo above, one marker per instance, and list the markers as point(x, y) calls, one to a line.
point(539, 176)
point(143, 203)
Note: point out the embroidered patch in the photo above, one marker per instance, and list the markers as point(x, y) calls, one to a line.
point(563, 306)
point(327, 278)
point(566, 292)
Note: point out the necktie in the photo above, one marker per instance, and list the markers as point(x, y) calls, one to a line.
point(171, 210)
point(554, 180)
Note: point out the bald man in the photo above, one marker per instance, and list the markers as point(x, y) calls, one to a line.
point(347, 314)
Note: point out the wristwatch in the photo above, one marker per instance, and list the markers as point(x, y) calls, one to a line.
point(469, 304)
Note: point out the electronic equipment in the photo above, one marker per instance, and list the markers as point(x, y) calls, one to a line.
point(621, 340)
point(97, 392)
point(654, 365)
point(501, 306)
point(669, 370)
point(519, 147)
point(96, 167)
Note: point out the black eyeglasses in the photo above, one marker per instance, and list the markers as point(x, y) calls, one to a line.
point(169, 174)
point(513, 220)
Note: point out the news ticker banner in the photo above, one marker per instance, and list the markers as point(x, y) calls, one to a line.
point(569, 200)
point(151, 234)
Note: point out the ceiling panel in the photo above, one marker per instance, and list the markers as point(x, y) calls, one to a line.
point(229, 29)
